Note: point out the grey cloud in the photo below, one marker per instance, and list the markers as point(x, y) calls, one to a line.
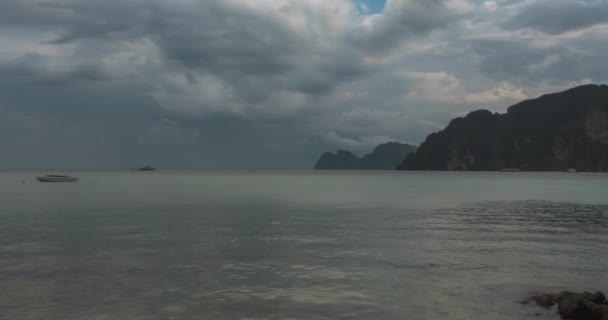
point(220, 84)
point(39, 70)
point(249, 44)
point(88, 31)
point(403, 19)
point(236, 43)
point(559, 16)
point(103, 101)
point(519, 60)
point(228, 40)
point(33, 14)
point(249, 51)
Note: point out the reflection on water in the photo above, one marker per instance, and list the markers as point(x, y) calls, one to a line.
point(268, 260)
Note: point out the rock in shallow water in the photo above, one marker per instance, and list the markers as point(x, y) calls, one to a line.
point(574, 306)
point(543, 300)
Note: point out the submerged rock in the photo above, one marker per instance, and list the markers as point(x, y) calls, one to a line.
point(582, 306)
point(543, 300)
point(574, 306)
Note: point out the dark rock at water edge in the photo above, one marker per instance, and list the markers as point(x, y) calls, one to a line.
point(574, 306)
point(552, 133)
point(384, 157)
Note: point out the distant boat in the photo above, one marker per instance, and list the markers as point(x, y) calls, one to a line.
point(56, 178)
point(510, 170)
point(572, 170)
point(146, 168)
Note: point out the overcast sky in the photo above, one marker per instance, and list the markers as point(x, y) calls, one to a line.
point(271, 83)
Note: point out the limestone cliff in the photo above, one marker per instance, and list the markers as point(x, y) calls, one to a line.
point(552, 133)
point(384, 157)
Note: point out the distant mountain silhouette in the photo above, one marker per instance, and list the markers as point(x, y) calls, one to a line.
point(384, 157)
point(552, 133)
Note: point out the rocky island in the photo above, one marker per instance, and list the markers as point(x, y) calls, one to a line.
point(552, 133)
point(384, 157)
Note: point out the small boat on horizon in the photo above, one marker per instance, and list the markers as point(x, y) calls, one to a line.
point(510, 170)
point(56, 178)
point(146, 168)
point(572, 170)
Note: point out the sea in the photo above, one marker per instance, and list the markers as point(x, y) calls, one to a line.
point(298, 245)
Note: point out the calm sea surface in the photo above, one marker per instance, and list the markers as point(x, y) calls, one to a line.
point(305, 245)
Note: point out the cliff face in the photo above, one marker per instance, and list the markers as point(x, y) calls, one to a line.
point(551, 133)
point(384, 157)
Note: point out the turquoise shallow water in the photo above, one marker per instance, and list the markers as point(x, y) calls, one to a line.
point(286, 245)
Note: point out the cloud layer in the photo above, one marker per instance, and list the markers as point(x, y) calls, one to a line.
point(271, 84)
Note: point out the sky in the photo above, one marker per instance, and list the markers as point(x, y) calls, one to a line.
point(271, 84)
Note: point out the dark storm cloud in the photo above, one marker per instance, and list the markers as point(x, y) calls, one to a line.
point(233, 41)
point(266, 83)
point(248, 44)
point(38, 70)
point(249, 50)
point(559, 16)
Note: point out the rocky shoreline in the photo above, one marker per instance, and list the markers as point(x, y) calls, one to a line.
point(573, 306)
